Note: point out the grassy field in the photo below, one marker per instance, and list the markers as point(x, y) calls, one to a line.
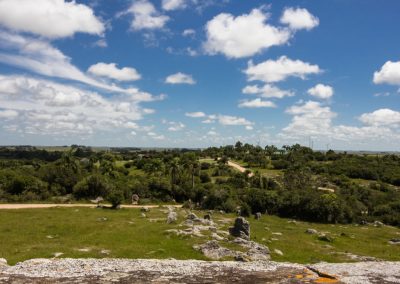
point(87, 232)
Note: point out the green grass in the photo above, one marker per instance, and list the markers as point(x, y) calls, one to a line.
point(24, 235)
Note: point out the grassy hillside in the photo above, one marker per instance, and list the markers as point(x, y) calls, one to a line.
point(86, 232)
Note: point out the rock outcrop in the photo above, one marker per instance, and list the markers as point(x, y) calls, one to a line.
point(240, 229)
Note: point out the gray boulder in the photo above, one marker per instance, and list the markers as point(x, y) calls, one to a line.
point(311, 231)
point(257, 216)
point(240, 229)
point(172, 217)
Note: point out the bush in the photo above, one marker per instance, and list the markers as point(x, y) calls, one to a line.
point(116, 197)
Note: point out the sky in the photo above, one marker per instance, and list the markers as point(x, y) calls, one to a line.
point(199, 73)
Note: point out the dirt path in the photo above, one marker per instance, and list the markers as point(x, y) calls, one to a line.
point(239, 168)
point(38, 206)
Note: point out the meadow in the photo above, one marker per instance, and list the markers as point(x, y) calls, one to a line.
point(125, 233)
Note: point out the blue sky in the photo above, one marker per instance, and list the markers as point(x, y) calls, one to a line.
point(192, 73)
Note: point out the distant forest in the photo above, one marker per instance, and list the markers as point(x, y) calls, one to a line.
point(292, 181)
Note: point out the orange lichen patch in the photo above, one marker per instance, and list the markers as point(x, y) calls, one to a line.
point(325, 280)
point(299, 276)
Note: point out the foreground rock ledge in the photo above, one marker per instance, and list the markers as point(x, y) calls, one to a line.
point(192, 271)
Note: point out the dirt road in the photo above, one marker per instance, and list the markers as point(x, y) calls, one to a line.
point(38, 206)
point(239, 168)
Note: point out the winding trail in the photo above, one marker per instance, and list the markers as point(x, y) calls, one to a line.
point(239, 168)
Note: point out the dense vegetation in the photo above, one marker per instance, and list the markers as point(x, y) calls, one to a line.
point(293, 181)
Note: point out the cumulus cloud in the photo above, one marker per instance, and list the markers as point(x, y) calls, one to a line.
point(244, 35)
point(146, 17)
point(271, 71)
point(381, 117)
point(170, 5)
point(389, 74)
point(298, 18)
point(111, 71)
point(180, 78)
point(267, 91)
point(49, 18)
point(47, 108)
point(195, 114)
point(321, 91)
point(313, 120)
point(256, 103)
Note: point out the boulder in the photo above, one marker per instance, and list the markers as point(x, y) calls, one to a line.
point(311, 231)
point(172, 217)
point(394, 242)
point(135, 199)
point(278, 252)
point(213, 250)
point(257, 216)
point(207, 217)
point(378, 224)
point(144, 209)
point(240, 229)
point(192, 217)
point(3, 261)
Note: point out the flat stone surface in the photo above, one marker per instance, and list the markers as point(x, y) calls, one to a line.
point(193, 271)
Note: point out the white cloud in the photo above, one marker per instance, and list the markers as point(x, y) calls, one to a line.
point(233, 120)
point(311, 118)
point(298, 18)
point(180, 78)
point(389, 74)
point(146, 17)
point(189, 32)
point(42, 58)
point(49, 18)
point(195, 114)
point(256, 103)
point(267, 91)
point(49, 108)
point(278, 70)
point(8, 114)
point(381, 117)
point(321, 91)
point(242, 36)
point(111, 71)
point(170, 5)
point(176, 126)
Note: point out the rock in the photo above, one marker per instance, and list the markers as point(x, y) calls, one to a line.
point(144, 209)
point(135, 199)
point(105, 251)
point(98, 200)
point(240, 229)
point(222, 212)
point(193, 217)
point(217, 237)
point(3, 261)
point(325, 238)
point(277, 233)
point(394, 242)
point(378, 224)
point(101, 219)
point(213, 229)
point(311, 231)
point(256, 251)
point(143, 215)
point(207, 217)
point(57, 254)
point(278, 252)
point(241, 257)
point(172, 217)
point(257, 216)
point(213, 250)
